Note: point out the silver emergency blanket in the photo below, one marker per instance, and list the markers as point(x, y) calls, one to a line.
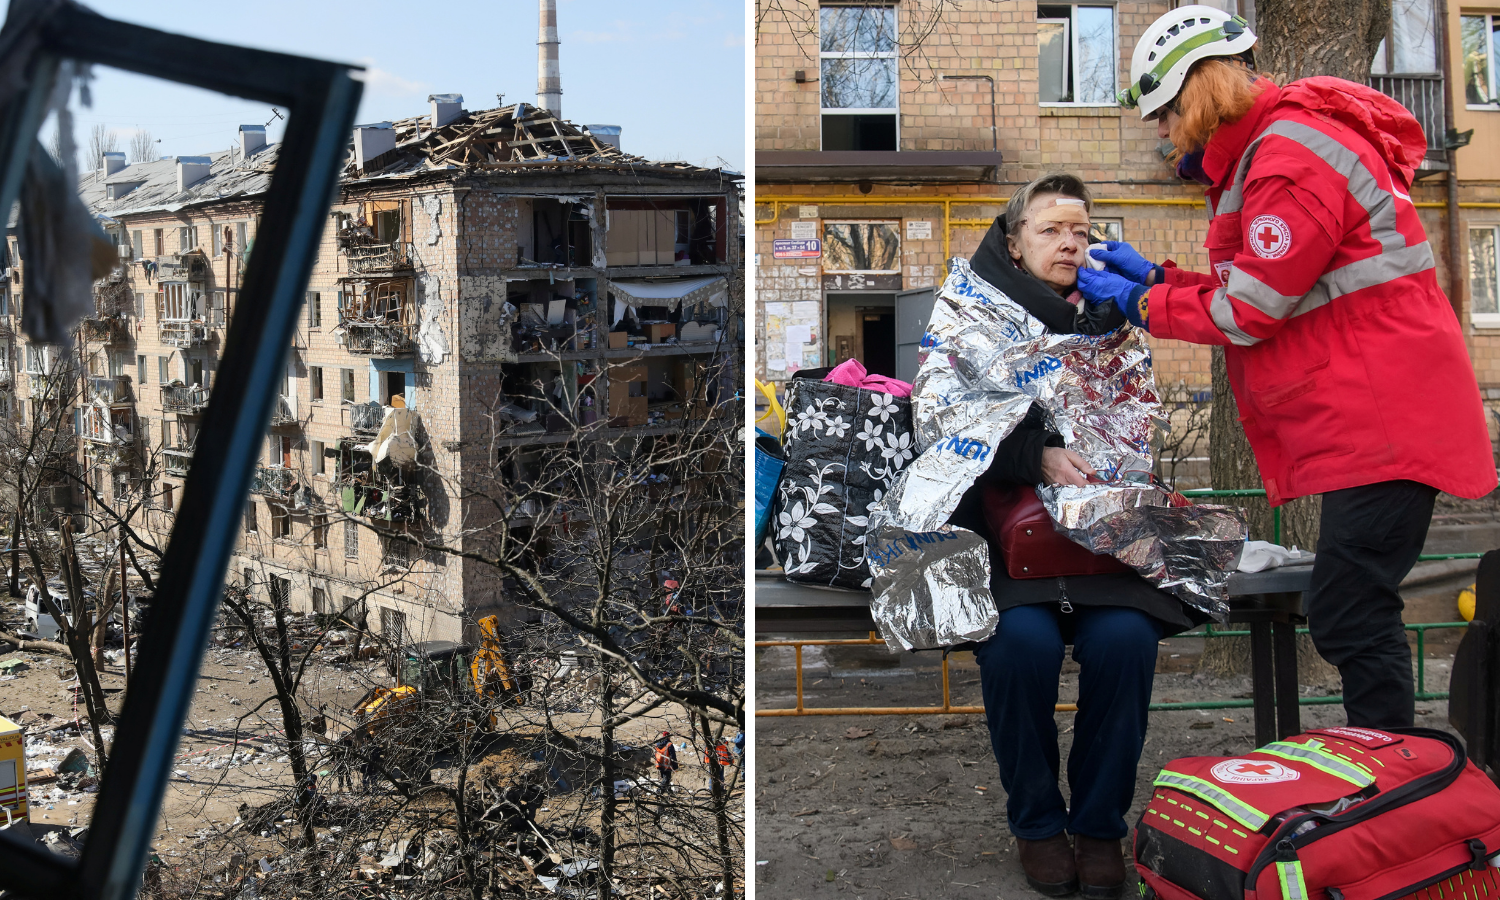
point(985, 362)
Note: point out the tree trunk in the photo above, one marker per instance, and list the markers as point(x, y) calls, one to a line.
point(719, 790)
point(608, 812)
point(1303, 38)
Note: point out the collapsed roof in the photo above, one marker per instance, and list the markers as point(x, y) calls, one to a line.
point(514, 138)
point(519, 136)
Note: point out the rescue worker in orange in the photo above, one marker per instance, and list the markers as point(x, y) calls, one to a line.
point(716, 760)
point(1348, 365)
point(665, 757)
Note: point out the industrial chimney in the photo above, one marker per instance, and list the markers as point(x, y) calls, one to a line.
point(548, 71)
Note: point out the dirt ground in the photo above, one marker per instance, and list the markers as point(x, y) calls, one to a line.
point(888, 807)
point(231, 752)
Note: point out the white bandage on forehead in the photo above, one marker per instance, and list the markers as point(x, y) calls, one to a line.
point(1065, 209)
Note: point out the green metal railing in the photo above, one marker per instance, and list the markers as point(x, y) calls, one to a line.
point(1421, 628)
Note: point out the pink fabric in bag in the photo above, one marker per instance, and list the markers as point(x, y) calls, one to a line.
point(852, 374)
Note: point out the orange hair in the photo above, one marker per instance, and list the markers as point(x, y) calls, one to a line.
point(1216, 92)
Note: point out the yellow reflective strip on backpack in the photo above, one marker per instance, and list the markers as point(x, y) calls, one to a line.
point(1229, 804)
point(1321, 760)
point(1292, 885)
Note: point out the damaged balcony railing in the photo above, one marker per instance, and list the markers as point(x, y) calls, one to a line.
point(184, 333)
point(110, 389)
point(366, 418)
point(282, 413)
point(378, 338)
point(276, 482)
point(182, 398)
point(388, 499)
point(377, 258)
point(105, 330)
point(177, 460)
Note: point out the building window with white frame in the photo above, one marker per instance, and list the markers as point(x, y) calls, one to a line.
point(1477, 35)
point(1484, 276)
point(858, 79)
point(1076, 59)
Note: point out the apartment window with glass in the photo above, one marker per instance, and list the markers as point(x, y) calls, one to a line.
point(314, 309)
point(1477, 34)
point(137, 244)
point(351, 539)
point(1484, 276)
point(159, 241)
point(858, 79)
point(319, 464)
point(1076, 59)
point(187, 238)
point(862, 247)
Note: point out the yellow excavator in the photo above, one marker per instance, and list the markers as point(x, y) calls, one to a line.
point(431, 669)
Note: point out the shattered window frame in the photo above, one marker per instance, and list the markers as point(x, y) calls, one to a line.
point(322, 98)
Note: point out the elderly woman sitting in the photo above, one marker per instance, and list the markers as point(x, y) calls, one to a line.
point(1113, 622)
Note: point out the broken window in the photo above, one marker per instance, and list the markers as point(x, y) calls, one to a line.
point(377, 317)
point(351, 539)
point(346, 385)
point(320, 601)
point(251, 526)
point(315, 381)
point(320, 532)
point(281, 522)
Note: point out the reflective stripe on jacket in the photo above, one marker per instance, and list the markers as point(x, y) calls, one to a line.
point(1347, 362)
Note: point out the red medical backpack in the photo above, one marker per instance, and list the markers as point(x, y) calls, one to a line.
point(1333, 814)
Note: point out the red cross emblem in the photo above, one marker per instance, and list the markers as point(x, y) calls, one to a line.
point(1270, 237)
point(1254, 769)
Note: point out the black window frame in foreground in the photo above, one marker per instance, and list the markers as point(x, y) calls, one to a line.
point(322, 98)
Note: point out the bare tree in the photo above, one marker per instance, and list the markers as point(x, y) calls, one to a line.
point(142, 146)
point(101, 141)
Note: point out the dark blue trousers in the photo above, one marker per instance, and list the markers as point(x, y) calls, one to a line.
point(1019, 668)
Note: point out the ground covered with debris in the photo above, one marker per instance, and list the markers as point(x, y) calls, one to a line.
point(888, 807)
point(230, 824)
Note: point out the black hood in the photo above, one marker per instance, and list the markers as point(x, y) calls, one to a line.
point(992, 262)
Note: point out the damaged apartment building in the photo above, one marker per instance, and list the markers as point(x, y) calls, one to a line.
point(491, 286)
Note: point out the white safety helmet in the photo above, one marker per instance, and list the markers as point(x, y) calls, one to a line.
point(1172, 44)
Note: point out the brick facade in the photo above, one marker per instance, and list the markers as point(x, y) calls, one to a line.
point(468, 269)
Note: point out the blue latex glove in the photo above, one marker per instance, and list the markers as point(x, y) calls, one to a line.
point(1121, 259)
point(1106, 287)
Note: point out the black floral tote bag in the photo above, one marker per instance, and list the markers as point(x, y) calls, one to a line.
point(844, 448)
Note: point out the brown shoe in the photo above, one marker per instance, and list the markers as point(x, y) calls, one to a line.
point(1101, 868)
point(1049, 865)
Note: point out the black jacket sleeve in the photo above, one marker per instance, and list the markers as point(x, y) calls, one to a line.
point(1018, 459)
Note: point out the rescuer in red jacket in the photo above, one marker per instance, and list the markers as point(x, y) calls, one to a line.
point(1348, 365)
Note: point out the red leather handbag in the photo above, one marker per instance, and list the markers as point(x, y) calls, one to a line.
point(1030, 545)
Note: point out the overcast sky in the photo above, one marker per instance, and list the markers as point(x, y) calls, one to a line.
point(669, 72)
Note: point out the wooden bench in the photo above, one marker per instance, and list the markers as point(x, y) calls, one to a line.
point(1269, 602)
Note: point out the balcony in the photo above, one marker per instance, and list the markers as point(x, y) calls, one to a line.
point(366, 418)
point(1422, 95)
point(274, 482)
point(184, 333)
point(50, 387)
point(177, 460)
point(377, 259)
point(181, 398)
point(110, 389)
point(378, 338)
point(386, 499)
point(105, 330)
point(282, 413)
point(106, 425)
